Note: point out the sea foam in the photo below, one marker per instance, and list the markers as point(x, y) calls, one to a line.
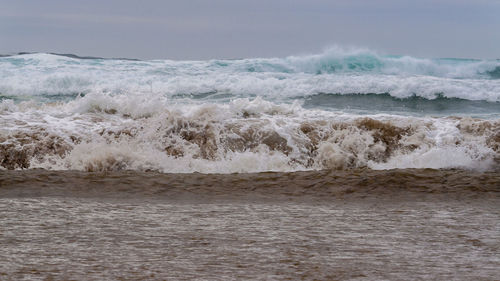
point(341, 109)
point(98, 133)
point(335, 71)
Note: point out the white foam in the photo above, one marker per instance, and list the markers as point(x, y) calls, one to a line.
point(107, 132)
point(444, 157)
point(132, 156)
point(274, 79)
point(7, 106)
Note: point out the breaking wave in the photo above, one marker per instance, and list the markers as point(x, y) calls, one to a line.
point(335, 71)
point(341, 109)
point(100, 132)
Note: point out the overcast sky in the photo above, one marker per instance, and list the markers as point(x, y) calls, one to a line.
point(202, 29)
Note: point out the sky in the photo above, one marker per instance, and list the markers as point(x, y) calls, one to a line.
point(207, 29)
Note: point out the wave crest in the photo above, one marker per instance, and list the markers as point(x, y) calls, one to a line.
point(242, 136)
point(339, 60)
point(338, 71)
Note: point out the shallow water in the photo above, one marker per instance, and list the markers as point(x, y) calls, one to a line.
point(87, 239)
point(358, 225)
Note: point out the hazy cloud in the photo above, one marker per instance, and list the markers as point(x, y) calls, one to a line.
point(199, 29)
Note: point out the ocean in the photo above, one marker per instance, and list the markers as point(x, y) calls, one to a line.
point(346, 164)
point(336, 110)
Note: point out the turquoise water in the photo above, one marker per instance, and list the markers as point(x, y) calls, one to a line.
point(403, 83)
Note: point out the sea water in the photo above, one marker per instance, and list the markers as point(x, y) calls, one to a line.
point(344, 165)
point(340, 109)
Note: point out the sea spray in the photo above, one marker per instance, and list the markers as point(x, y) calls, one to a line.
point(246, 135)
point(336, 71)
point(341, 109)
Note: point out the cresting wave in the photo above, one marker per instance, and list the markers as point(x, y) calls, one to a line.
point(335, 71)
point(342, 109)
point(103, 132)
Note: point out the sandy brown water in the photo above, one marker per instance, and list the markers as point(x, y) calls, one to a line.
point(326, 225)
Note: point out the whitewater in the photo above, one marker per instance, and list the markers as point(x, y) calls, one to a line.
point(340, 109)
